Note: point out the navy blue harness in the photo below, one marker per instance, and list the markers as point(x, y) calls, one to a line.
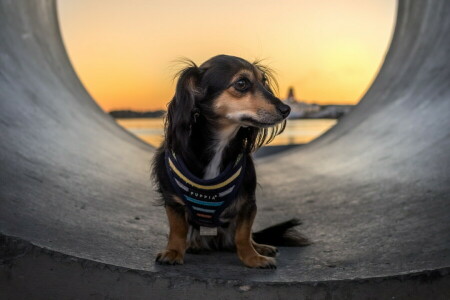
point(205, 199)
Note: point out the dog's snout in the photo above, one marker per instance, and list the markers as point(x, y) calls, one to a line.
point(284, 109)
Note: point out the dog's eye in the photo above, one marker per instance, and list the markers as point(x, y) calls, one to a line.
point(242, 85)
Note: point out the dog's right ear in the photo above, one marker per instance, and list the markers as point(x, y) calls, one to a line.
point(180, 109)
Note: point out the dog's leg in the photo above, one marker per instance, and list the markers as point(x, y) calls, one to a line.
point(176, 245)
point(265, 250)
point(243, 238)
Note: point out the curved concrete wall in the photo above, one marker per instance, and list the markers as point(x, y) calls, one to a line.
point(373, 192)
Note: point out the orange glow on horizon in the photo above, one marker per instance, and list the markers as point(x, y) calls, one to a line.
point(123, 51)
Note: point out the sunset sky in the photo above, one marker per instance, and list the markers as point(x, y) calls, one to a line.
point(123, 51)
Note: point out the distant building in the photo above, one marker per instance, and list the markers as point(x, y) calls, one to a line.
point(299, 109)
point(290, 94)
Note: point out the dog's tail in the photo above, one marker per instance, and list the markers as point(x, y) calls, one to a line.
point(282, 234)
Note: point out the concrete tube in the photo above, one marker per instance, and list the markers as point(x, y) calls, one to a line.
point(76, 204)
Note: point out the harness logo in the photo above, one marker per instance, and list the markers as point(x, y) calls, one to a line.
point(199, 195)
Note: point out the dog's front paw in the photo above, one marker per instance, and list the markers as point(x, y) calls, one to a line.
point(169, 257)
point(259, 261)
point(266, 250)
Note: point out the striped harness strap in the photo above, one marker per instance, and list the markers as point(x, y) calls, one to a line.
point(205, 199)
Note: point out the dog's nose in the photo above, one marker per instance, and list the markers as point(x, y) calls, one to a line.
point(284, 109)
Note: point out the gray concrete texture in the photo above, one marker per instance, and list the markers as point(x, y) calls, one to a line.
point(77, 213)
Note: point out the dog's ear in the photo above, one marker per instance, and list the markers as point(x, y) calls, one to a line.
point(271, 83)
point(180, 110)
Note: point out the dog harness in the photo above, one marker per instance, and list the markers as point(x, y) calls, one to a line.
point(205, 199)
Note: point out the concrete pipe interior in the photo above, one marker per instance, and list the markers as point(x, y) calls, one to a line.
point(76, 206)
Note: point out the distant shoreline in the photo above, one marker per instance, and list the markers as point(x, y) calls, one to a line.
point(325, 112)
point(131, 114)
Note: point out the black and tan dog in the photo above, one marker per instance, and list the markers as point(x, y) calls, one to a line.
point(221, 113)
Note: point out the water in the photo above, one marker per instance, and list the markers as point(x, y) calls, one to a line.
point(296, 132)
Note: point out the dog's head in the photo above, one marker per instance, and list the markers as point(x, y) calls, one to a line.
point(227, 90)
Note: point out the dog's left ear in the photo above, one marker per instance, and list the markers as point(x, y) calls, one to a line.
point(271, 83)
point(182, 107)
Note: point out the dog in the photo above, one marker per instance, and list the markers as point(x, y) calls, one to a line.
point(222, 112)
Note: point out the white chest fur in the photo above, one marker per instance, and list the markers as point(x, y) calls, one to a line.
point(224, 137)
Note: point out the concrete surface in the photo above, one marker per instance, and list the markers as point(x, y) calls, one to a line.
point(77, 217)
